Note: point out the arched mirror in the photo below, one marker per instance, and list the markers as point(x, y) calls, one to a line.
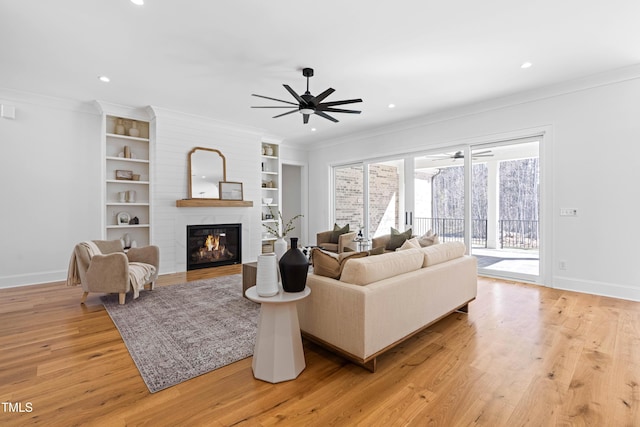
point(207, 167)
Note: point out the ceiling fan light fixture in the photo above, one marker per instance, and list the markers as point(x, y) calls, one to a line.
point(308, 104)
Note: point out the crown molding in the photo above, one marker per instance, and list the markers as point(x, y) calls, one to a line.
point(571, 86)
point(16, 96)
point(157, 112)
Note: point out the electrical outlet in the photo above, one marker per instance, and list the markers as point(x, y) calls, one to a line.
point(562, 265)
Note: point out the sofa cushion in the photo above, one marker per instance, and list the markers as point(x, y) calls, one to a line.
point(442, 252)
point(331, 265)
point(337, 232)
point(397, 239)
point(367, 270)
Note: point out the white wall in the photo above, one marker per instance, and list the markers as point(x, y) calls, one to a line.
point(49, 186)
point(591, 150)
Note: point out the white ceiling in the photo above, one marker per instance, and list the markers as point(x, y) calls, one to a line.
point(208, 57)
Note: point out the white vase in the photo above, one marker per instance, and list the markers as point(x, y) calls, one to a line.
point(280, 247)
point(120, 127)
point(134, 131)
point(267, 275)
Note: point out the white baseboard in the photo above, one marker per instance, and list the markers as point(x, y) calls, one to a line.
point(613, 290)
point(32, 279)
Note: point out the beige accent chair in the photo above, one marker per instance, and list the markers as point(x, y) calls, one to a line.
point(345, 242)
point(114, 271)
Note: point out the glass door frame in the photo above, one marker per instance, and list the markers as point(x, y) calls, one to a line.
point(543, 134)
point(468, 161)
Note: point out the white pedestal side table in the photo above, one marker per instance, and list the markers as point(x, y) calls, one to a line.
point(278, 354)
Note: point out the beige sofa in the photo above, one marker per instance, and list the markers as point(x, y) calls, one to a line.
point(381, 300)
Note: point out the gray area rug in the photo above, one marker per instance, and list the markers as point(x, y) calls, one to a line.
point(175, 333)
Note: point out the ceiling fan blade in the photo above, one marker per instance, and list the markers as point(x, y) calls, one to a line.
point(274, 99)
point(295, 95)
point(305, 118)
point(333, 103)
point(273, 107)
point(338, 110)
point(284, 114)
point(323, 95)
point(326, 116)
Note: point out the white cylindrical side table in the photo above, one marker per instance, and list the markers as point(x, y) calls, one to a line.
point(278, 355)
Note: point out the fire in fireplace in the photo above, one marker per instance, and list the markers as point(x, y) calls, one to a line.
point(213, 245)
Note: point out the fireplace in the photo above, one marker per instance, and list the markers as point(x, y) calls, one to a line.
point(213, 245)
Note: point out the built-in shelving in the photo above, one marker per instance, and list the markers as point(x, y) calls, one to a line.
point(126, 151)
point(270, 175)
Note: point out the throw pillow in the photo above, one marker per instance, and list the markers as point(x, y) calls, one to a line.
point(330, 265)
point(428, 239)
point(397, 239)
point(409, 244)
point(377, 251)
point(337, 232)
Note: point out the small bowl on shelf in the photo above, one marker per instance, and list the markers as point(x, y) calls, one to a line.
point(267, 200)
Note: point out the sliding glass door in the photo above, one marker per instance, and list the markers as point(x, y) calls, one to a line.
point(510, 194)
point(370, 196)
point(484, 195)
point(348, 184)
point(438, 196)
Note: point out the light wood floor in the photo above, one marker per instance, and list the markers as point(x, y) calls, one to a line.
point(524, 355)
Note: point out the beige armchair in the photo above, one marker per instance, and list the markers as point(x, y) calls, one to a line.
point(103, 266)
point(345, 242)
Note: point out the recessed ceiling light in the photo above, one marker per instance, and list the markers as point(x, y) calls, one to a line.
point(313, 129)
point(392, 105)
point(138, 2)
point(104, 79)
point(526, 65)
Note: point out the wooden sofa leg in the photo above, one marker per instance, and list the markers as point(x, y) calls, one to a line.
point(370, 365)
point(121, 298)
point(84, 297)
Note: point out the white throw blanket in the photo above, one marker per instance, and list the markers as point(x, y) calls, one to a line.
point(73, 276)
point(139, 275)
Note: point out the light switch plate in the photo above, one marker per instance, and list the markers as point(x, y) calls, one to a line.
point(568, 212)
point(7, 111)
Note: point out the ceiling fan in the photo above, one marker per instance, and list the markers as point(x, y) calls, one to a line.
point(308, 104)
point(460, 155)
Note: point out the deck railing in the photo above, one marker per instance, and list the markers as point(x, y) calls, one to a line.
point(521, 234)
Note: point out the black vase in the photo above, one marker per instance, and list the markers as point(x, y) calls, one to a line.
point(294, 267)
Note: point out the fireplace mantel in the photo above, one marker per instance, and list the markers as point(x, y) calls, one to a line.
point(213, 203)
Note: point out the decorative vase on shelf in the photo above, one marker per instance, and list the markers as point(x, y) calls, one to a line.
point(279, 247)
point(267, 275)
point(119, 127)
point(269, 150)
point(134, 131)
point(294, 267)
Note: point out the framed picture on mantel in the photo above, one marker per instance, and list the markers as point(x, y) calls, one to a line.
point(231, 190)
